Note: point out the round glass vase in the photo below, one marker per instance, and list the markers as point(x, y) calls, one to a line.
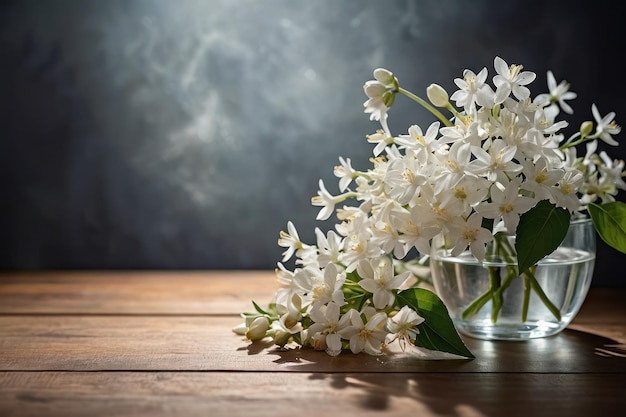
point(488, 300)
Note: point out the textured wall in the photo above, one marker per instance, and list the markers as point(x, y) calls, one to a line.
point(184, 134)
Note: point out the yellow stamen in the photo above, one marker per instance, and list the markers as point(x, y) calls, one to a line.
point(514, 70)
point(459, 192)
point(506, 208)
point(470, 235)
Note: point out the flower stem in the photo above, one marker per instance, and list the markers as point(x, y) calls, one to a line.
point(497, 285)
point(526, 298)
point(426, 105)
point(496, 296)
point(477, 304)
point(542, 295)
point(511, 273)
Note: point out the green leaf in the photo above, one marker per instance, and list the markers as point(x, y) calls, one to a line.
point(539, 232)
point(259, 309)
point(437, 332)
point(609, 219)
point(353, 276)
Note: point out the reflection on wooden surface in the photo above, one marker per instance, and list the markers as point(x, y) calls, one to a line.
point(160, 343)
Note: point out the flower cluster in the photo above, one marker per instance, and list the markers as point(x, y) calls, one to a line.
point(465, 177)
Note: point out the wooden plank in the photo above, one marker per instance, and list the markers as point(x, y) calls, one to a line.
point(278, 394)
point(603, 305)
point(188, 292)
point(134, 292)
point(94, 343)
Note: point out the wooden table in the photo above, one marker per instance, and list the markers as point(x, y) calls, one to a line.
point(160, 344)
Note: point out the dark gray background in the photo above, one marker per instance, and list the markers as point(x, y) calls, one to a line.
point(155, 134)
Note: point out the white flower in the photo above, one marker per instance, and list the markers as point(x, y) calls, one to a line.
point(602, 175)
point(454, 165)
point(567, 187)
point(421, 145)
point(289, 240)
point(470, 233)
point(540, 178)
point(344, 172)
point(387, 238)
point(606, 126)
point(403, 326)
point(497, 162)
point(326, 327)
point(327, 201)
point(507, 204)
point(321, 287)
point(366, 336)
point(283, 275)
point(375, 105)
point(382, 139)
point(557, 94)
point(511, 79)
point(289, 308)
point(416, 232)
point(461, 132)
point(379, 279)
point(381, 93)
point(280, 334)
point(543, 121)
point(359, 244)
point(613, 171)
point(473, 90)
point(403, 179)
point(465, 194)
point(329, 247)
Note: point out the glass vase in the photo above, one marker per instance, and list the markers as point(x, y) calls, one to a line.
point(489, 300)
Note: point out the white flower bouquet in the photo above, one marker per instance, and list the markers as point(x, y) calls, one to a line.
point(499, 164)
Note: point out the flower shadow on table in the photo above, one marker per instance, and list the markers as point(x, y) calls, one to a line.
point(500, 380)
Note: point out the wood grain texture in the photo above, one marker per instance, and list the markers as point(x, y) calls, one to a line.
point(276, 394)
point(135, 292)
point(160, 344)
point(95, 343)
point(187, 293)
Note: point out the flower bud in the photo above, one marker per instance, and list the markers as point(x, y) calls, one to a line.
point(384, 76)
point(374, 89)
point(586, 128)
point(290, 319)
point(279, 334)
point(437, 95)
point(240, 329)
point(318, 341)
point(258, 328)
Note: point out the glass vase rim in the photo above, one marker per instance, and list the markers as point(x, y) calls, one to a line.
point(580, 219)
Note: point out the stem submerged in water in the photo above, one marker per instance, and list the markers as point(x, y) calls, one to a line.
point(496, 296)
point(534, 284)
point(497, 285)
